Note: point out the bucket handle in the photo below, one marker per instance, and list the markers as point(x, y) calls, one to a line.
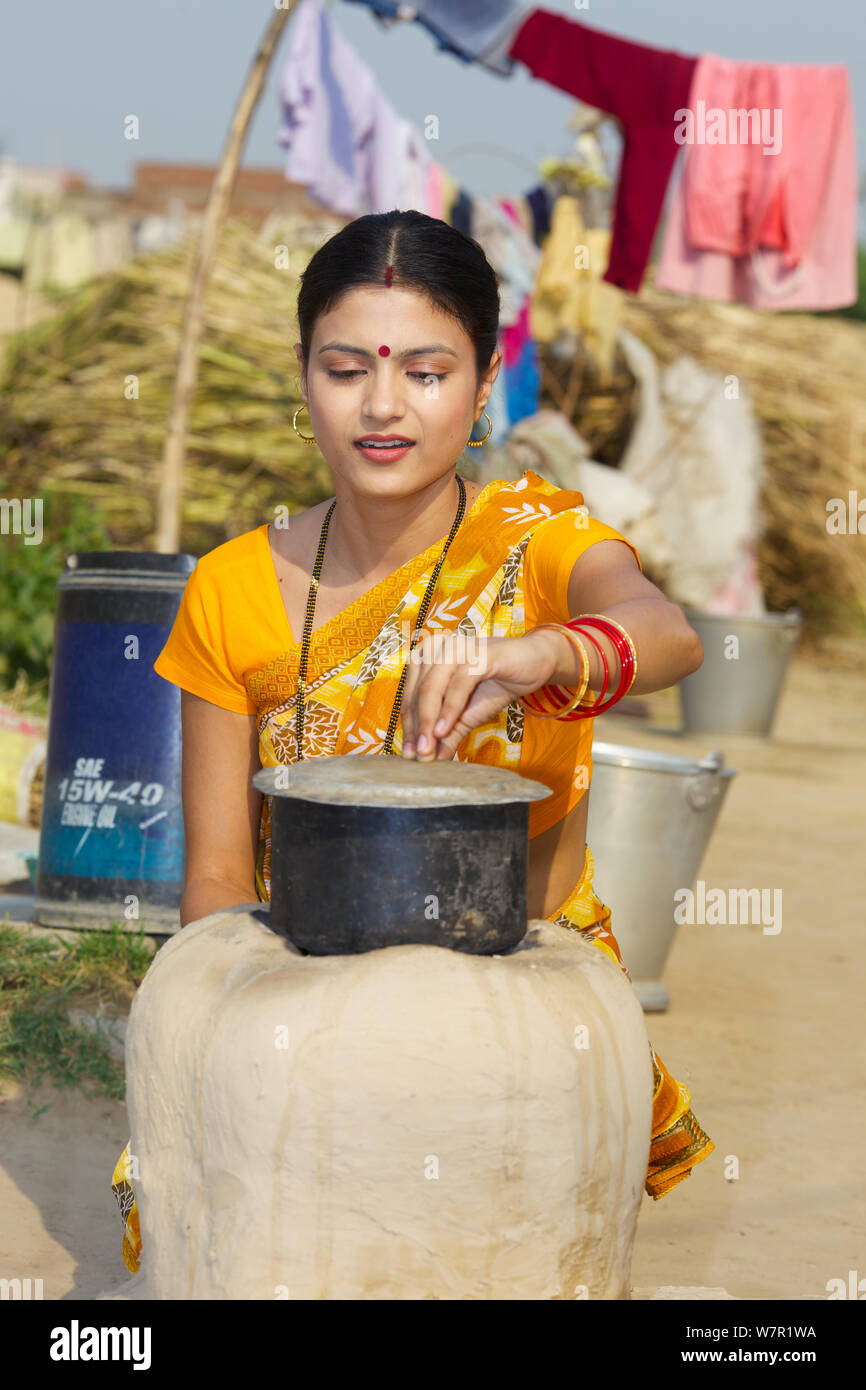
point(704, 788)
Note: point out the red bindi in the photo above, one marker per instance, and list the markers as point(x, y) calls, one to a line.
point(384, 350)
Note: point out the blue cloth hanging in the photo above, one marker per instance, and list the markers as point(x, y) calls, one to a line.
point(478, 33)
point(523, 383)
point(461, 212)
point(497, 409)
point(540, 205)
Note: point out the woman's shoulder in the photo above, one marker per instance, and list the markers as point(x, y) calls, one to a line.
point(246, 549)
point(230, 552)
point(473, 490)
point(532, 491)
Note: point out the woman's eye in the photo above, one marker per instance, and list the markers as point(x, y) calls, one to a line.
point(419, 376)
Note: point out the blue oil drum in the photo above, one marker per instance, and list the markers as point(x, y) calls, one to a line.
point(111, 845)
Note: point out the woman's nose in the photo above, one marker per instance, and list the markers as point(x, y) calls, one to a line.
point(383, 398)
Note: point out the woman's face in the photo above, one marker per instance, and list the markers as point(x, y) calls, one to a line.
point(423, 390)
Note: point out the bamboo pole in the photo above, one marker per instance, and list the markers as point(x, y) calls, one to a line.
point(171, 477)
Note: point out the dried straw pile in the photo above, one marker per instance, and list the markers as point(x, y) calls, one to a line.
point(806, 375)
point(69, 414)
point(65, 415)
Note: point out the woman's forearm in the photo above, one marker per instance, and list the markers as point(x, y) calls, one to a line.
point(205, 895)
point(666, 645)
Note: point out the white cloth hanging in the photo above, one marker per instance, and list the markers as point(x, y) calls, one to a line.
point(345, 142)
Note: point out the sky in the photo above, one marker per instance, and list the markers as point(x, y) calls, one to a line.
point(71, 73)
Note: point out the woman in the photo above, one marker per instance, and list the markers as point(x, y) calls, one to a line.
point(405, 614)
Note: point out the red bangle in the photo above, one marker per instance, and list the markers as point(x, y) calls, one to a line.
point(624, 651)
point(595, 642)
point(589, 712)
point(559, 698)
point(552, 692)
point(555, 694)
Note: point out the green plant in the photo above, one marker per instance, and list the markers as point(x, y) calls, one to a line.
point(40, 979)
point(28, 580)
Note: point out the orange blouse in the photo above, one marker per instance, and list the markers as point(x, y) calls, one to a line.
point(231, 642)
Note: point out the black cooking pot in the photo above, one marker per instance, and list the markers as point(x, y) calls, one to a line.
point(371, 851)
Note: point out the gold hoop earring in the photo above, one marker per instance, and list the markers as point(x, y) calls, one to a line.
point(474, 443)
point(308, 439)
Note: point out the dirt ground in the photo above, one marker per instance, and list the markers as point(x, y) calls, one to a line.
point(766, 1031)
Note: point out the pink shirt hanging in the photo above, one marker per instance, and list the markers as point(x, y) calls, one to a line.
point(776, 229)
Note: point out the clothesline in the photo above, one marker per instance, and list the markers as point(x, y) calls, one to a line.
point(774, 228)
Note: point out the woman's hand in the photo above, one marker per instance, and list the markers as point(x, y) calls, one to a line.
point(455, 683)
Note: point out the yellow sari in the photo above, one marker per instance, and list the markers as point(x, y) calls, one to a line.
point(231, 644)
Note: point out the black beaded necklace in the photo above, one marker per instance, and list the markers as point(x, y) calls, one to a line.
point(422, 615)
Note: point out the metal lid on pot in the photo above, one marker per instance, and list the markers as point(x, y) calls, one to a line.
point(352, 779)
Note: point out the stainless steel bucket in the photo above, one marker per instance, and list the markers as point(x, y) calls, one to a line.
point(738, 694)
point(650, 819)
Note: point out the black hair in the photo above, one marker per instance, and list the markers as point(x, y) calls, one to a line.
point(425, 253)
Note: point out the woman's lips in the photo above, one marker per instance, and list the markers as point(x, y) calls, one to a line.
point(385, 455)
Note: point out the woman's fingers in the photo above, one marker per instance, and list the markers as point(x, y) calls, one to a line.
point(448, 742)
point(438, 685)
point(408, 721)
point(454, 685)
point(416, 668)
point(431, 695)
point(455, 698)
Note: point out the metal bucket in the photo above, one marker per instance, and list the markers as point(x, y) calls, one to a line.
point(738, 694)
point(650, 819)
point(369, 852)
point(111, 846)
